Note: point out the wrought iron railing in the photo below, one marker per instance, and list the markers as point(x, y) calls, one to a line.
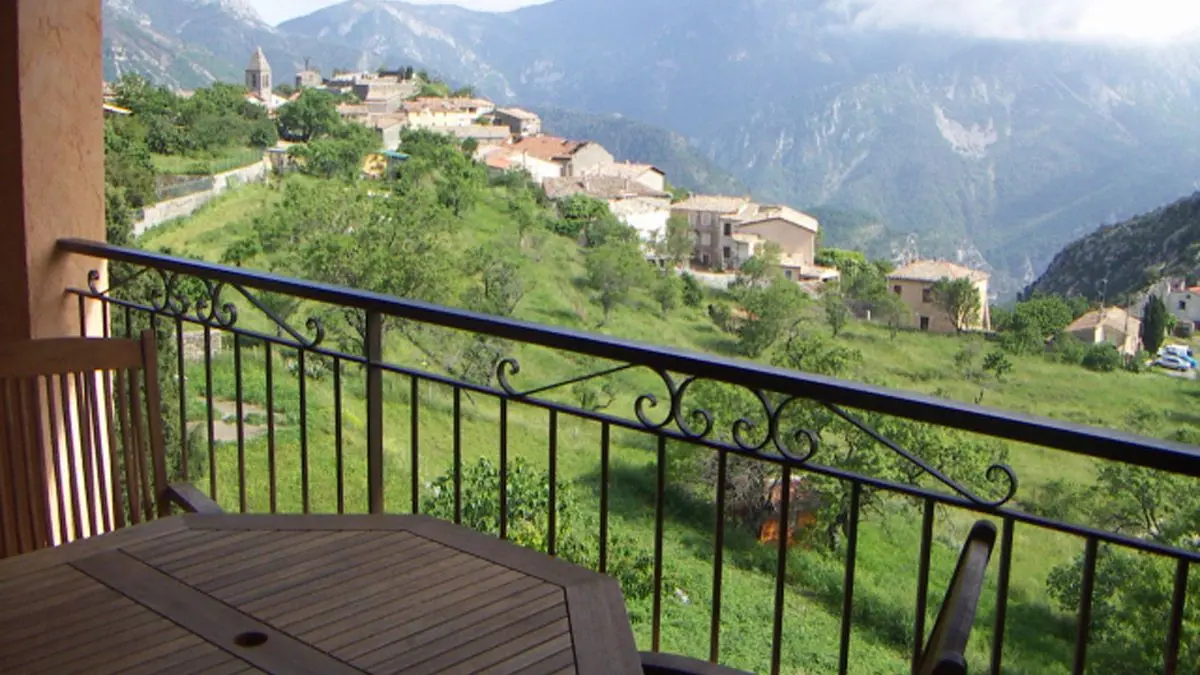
point(196, 303)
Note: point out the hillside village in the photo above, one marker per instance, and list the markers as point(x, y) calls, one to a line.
point(726, 230)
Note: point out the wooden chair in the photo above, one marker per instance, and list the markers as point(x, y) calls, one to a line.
point(81, 441)
point(943, 654)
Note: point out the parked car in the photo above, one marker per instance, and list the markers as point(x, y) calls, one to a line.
point(1172, 362)
point(1182, 351)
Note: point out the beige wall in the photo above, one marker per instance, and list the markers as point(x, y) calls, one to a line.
point(587, 158)
point(1129, 344)
point(795, 241)
point(654, 180)
point(53, 172)
point(913, 294)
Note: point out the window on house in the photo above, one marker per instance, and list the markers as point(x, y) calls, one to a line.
point(728, 253)
point(788, 274)
point(896, 290)
point(703, 258)
point(1183, 304)
point(926, 295)
point(728, 229)
point(924, 323)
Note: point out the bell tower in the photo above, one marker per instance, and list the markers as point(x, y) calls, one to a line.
point(258, 76)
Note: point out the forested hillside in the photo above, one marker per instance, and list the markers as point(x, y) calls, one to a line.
point(1131, 255)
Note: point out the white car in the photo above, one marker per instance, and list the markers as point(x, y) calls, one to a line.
point(1173, 362)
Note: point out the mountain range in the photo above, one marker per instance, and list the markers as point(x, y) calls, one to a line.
point(995, 153)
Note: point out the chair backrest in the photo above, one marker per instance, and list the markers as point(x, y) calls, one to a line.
point(944, 654)
point(81, 439)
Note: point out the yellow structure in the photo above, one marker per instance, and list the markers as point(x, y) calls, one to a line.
point(914, 284)
point(1111, 324)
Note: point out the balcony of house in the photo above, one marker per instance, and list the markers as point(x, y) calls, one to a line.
point(760, 518)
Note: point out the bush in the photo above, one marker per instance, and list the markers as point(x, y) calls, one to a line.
point(528, 521)
point(693, 292)
point(1069, 349)
point(722, 316)
point(1102, 358)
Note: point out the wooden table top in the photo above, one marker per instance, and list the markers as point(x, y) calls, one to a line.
point(220, 594)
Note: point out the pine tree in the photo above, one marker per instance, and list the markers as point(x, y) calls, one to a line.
point(1154, 324)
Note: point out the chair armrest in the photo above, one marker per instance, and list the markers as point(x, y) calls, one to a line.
point(187, 497)
point(654, 663)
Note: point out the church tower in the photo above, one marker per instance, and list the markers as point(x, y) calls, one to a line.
point(258, 76)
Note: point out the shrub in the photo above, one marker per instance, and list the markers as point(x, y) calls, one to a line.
point(1102, 358)
point(528, 519)
point(693, 292)
point(1069, 349)
point(721, 315)
point(997, 363)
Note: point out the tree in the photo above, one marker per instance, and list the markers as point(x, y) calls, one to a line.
point(1026, 328)
point(997, 363)
point(666, 291)
point(761, 268)
point(500, 276)
point(613, 271)
point(311, 116)
point(893, 311)
point(693, 293)
point(677, 242)
point(1102, 358)
point(959, 298)
point(770, 310)
point(836, 311)
point(1154, 324)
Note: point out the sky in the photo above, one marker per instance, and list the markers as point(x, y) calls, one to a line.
point(1089, 20)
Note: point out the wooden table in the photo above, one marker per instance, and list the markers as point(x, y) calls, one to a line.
point(219, 594)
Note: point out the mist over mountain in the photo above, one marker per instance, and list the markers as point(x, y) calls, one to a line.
point(994, 151)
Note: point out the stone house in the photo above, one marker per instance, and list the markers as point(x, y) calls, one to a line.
point(520, 122)
point(731, 230)
point(640, 207)
point(646, 174)
point(484, 134)
point(546, 157)
point(440, 113)
point(914, 284)
point(1110, 324)
point(1184, 304)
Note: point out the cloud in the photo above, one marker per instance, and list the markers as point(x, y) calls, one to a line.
point(277, 11)
point(1075, 20)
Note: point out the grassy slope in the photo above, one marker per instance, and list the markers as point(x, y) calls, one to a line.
point(1039, 636)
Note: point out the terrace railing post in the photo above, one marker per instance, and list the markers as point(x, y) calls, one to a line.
point(374, 347)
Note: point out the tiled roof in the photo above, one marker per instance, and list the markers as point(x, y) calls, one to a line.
point(933, 270)
point(433, 104)
point(497, 160)
point(714, 203)
point(519, 113)
point(548, 148)
point(626, 170)
point(1111, 317)
point(600, 187)
point(757, 213)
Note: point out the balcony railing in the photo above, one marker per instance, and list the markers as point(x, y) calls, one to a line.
point(361, 396)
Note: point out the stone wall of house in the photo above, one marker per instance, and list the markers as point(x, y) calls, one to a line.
point(193, 344)
point(185, 206)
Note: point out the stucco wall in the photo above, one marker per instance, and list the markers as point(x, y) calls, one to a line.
point(913, 293)
point(795, 241)
point(588, 158)
point(186, 206)
point(646, 215)
point(539, 169)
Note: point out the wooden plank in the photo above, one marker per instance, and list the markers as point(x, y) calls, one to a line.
point(266, 551)
point(370, 606)
point(207, 618)
point(408, 572)
point(176, 540)
point(40, 630)
point(273, 563)
point(118, 662)
point(358, 638)
point(203, 550)
point(308, 576)
point(198, 658)
point(558, 646)
point(560, 662)
point(56, 605)
point(116, 637)
point(31, 563)
point(406, 646)
point(493, 648)
point(31, 358)
point(604, 637)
